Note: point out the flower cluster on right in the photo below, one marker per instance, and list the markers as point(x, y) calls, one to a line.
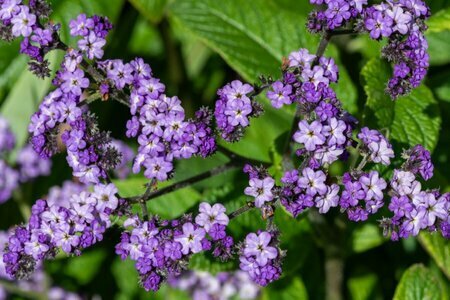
point(402, 22)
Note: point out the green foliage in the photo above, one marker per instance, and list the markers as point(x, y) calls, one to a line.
point(418, 283)
point(439, 250)
point(85, 267)
point(293, 290)
point(361, 287)
point(254, 42)
point(153, 10)
point(366, 237)
point(23, 100)
point(412, 119)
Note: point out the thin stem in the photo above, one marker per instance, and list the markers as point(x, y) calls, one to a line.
point(239, 158)
point(241, 210)
point(184, 183)
point(362, 163)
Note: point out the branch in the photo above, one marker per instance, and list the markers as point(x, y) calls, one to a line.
point(182, 184)
point(247, 207)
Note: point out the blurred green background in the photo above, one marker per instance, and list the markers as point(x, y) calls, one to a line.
point(197, 46)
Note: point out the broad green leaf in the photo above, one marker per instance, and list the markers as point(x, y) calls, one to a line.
point(153, 10)
point(295, 290)
point(438, 248)
point(253, 36)
point(439, 21)
point(145, 40)
point(84, 267)
point(412, 119)
point(362, 287)
point(366, 237)
point(11, 65)
point(418, 283)
point(439, 47)
point(126, 278)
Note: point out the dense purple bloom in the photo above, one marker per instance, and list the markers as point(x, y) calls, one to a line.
point(280, 95)
point(310, 135)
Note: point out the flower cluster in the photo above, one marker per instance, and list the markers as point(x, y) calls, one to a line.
point(362, 194)
point(90, 152)
point(93, 32)
point(308, 189)
point(260, 257)
point(162, 248)
point(224, 285)
point(71, 219)
point(402, 22)
point(376, 146)
point(20, 20)
point(327, 129)
point(35, 283)
point(418, 161)
point(260, 185)
point(336, 14)
point(234, 108)
point(159, 121)
point(415, 209)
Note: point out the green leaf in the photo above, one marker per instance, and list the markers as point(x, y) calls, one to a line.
point(126, 278)
point(296, 290)
point(253, 36)
point(412, 119)
point(418, 283)
point(361, 287)
point(153, 10)
point(439, 47)
point(366, 237)
point(439, 250)
point(439, 21)
point(84, 268)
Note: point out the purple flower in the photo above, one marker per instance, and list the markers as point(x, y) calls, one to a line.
point(313, 181)
point(378, 25)
point(23, 22)
point(81, 25)
point(280, 94)
point(210, 215)
point(373, 185)
point(329, 199)
point(74, 82)
point(261, 190)
point(157, 167)
point(191, 239)
point(92, 45)
point(309, 134)
point(258, 246)
point(301, 59)
point(401, 19)
point(381, 152)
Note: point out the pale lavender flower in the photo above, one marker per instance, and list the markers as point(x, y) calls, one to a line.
point(261, 190)
point(309, 134)
point(191, 239)
point(210, 215)
point(258, 245)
